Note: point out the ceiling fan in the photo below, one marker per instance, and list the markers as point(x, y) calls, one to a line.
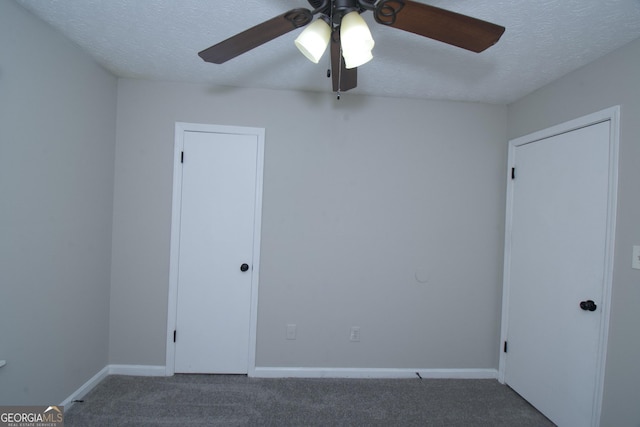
point(340, 26)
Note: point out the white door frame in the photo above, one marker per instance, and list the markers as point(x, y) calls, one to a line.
point(613, 116)
point(180, 129)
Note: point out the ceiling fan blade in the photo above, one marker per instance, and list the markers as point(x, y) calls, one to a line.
point(343, 78)
point(438, 24)
point(256, 36)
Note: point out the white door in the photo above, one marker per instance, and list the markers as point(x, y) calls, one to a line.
point(215, 255)
point(558, 256)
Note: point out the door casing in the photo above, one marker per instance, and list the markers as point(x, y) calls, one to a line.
point(180, 129)
point(612, 115)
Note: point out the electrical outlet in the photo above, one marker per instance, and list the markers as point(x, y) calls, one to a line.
point(291, 331)
point(636, 258)
point(354, 336)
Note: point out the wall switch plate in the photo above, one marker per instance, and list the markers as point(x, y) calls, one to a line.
point(291, 331)
point(354, 336)
point(636, 258)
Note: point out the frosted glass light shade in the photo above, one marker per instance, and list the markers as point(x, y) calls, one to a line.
point(356, 40)
point(313, 41)
point(356, 59)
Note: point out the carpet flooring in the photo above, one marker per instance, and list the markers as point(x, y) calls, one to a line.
point(237, 400)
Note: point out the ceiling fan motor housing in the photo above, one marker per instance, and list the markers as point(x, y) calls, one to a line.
point(342, 7)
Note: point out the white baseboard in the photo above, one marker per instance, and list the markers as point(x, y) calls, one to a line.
point(276, 372)
point(86, 387)
point(138, 370)
point(267, 372)
point(134, 370)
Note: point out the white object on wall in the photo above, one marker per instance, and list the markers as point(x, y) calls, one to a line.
point(635, 263)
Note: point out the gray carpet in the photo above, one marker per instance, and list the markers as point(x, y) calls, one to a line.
point(236, 400)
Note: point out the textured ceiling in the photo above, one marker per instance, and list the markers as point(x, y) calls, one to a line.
point(160, 39)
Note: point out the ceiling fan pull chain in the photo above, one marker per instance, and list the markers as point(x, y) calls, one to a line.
point(339, 62)
point(340, 73)
point(331, 26)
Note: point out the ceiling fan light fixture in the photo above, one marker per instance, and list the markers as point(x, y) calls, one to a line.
point(356, 58)
point(313, 41)
point(356, 40)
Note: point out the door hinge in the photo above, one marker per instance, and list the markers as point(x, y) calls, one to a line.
point(504, 348)
point(513, 173)
point(182, 157)
point(174, 335)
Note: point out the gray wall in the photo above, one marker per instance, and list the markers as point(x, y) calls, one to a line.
point(611, 80)
point(57, 135)
point(359, 194)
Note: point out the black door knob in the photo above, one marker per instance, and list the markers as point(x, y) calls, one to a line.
point(588, 305)
point(244, 267)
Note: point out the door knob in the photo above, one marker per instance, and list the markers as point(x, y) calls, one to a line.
point(245, 267)
point(588, 305)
